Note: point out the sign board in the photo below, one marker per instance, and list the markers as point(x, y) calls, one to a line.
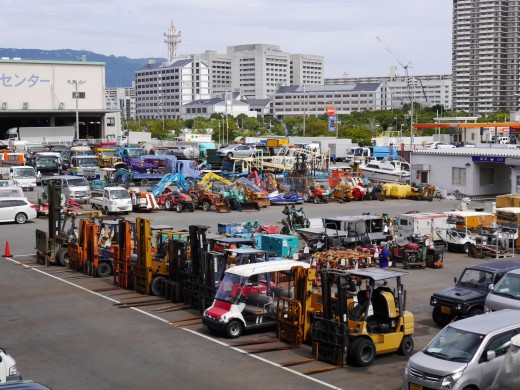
point(331, 111)
point(332, 124)
point(488, 159)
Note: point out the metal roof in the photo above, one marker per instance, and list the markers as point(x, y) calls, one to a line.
point(492, 152)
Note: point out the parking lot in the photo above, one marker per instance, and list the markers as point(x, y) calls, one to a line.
point(67, 330)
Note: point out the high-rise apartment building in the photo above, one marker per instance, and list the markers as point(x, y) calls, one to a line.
point(486, 55)
point(122, 99)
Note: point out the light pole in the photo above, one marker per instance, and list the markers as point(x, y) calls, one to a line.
point(76, 95)
point(304, 109)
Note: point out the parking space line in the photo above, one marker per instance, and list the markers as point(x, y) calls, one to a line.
point(185, 329)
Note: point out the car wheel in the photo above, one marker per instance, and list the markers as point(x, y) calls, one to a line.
point(106, 211)
point(406, 347)
point(316, 200)
point(234, 329)
point(178, 208)
point(440, 319)
point(206, 206)
point(362, 352)
point(104, 270)
point(168, 204)
point(20, 218)
point(192, 208)
point(466, 247)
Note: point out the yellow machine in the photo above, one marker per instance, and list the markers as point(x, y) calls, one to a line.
point(257, 197)
point(152, 260)
point(377, 324)
point(209, 178)
point(108, 157)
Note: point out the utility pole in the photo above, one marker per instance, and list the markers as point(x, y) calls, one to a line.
point(304, 109)
point(76, 96)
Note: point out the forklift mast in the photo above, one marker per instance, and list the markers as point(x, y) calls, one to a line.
point(142, 276)
point(123, 255)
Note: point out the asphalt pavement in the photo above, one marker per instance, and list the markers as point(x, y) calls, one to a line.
point(65, 335)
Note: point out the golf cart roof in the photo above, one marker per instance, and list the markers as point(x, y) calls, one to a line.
point(246, 251)
point(247, 270)
point(377, 273)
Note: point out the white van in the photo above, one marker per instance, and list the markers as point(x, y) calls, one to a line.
point(73, 187)
point(11, 192)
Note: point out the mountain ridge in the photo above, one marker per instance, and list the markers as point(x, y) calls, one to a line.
point(119, 70)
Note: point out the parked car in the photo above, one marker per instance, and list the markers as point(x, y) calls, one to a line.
point(236, 151)
point(466, 354)
point(505, 294)
point(18, 210)
point(468, 296)
point(439, 145)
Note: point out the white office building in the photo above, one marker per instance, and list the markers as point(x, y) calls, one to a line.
point(123, 100)
point(427, 90)
point(161, 89)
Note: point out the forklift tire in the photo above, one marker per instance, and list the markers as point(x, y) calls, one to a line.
point(206, 206)
point(63, 257)
point(104, 270)
point(406, 347)
point(440, 319)
point(361, 352)
point(234, 329)
point(178, 208)
point(155, 286)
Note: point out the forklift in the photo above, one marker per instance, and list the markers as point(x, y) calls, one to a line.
point(377, 323)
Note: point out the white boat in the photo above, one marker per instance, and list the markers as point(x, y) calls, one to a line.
point(387, 170)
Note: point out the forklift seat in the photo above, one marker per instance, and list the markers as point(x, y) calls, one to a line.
point(383, 303)
point(361, 307)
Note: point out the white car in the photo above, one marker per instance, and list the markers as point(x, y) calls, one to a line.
point(18, 210)
point(236, 151)
point(439, 145)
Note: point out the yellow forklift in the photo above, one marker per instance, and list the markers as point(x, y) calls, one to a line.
point(377, 324)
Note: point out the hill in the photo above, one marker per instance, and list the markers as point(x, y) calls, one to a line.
point(119, 71)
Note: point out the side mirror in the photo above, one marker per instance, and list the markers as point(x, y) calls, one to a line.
point(454, 280)
point(490, 355)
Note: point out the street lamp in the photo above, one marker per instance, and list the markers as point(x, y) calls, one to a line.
point(76, 96)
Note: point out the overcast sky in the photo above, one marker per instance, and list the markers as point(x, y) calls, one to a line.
point(343, 31)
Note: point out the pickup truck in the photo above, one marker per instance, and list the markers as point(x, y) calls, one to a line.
point(114, 200)
point(22, 175)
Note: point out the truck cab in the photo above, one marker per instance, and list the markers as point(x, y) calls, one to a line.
point(23, 176)
point(86, 166)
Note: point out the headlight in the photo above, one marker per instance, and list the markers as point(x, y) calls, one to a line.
point(113, 202)
point(407, 369)
point(459, 306)
point(433, 301)
point(13, 370)
point(449, 381)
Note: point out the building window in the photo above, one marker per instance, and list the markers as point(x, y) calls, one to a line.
point(111, 121)
point(458, 176)
point(487, 176)
point(518, 184)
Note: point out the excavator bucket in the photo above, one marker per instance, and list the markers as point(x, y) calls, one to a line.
point(263, 202)
point(249, 206)
point(222, 208)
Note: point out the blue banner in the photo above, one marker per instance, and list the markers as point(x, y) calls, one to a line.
point(488, 159)
point(332, 124)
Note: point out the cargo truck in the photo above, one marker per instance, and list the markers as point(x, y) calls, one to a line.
point(39, 135)
point(114, 200)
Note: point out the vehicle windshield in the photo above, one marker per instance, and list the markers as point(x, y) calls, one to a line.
point(87, 162)
point(358, 152)
point(135, 152)
point(508, 286)
point(11, 192)
point(231, 288)
point(454, 345)
point(24, 172)
point(47, 162)
point(476, 278)
point(79, 182)
point(119, 194)
point(35, 149)
point(109, 153)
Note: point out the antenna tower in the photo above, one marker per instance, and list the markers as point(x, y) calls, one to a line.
point(172, 38)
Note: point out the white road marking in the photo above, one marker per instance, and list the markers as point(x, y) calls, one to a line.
point(187, 330)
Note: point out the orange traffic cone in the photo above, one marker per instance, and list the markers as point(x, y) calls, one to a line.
point(7, 252)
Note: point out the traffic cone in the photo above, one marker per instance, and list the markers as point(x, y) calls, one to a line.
point(7, 252)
